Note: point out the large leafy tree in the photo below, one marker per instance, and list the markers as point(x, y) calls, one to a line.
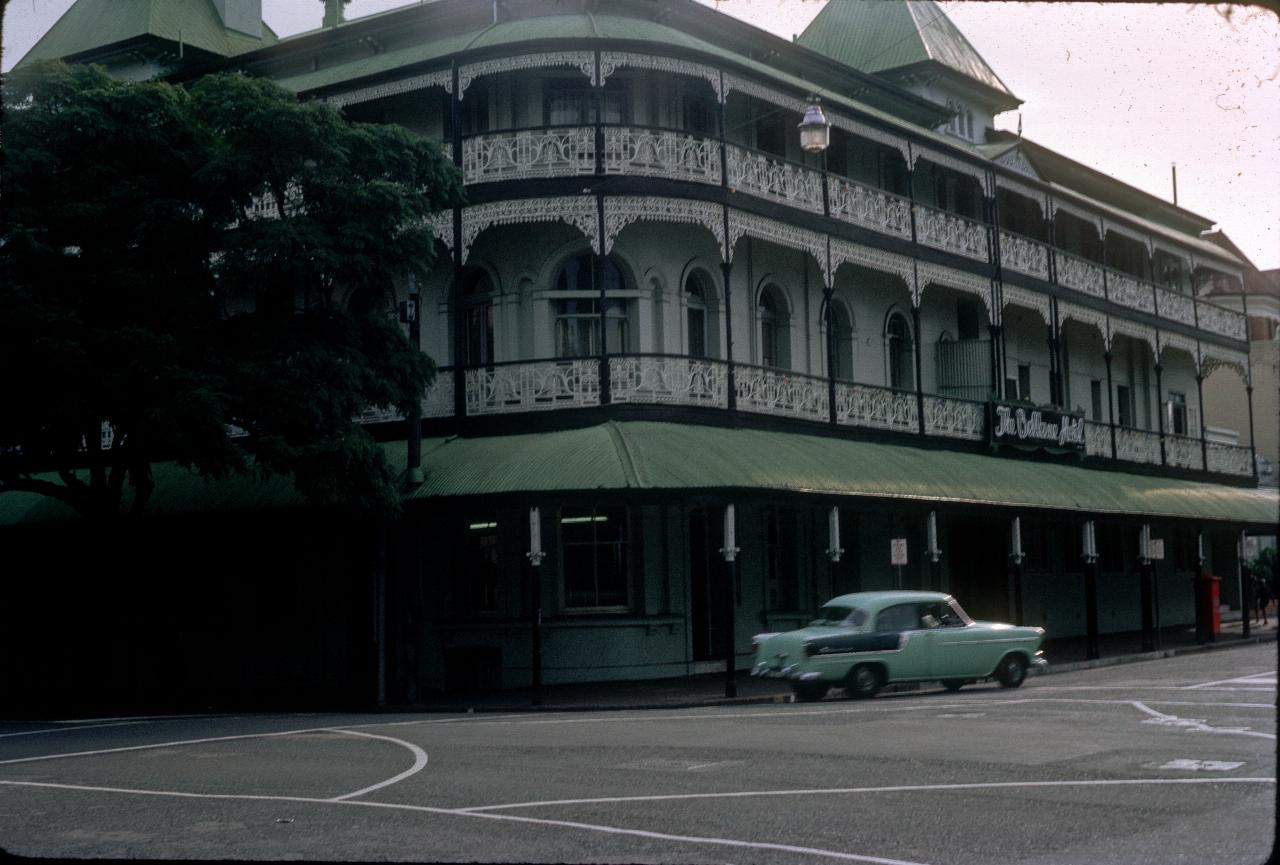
point(208, 271)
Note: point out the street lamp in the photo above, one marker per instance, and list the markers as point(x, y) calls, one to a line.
point(815, 130)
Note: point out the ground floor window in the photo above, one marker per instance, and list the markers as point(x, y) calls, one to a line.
point(478, 592)
point(593, 558)
point(780, 559)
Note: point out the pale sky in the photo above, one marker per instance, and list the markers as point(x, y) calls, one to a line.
point(1129, 89)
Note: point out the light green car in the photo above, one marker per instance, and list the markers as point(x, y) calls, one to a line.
point(865, 640)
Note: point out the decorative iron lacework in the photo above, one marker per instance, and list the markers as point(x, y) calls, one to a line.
point(877, 259)
point(1029, 299)
point(1024, 255)
point(583, 61)
point(1130, 291)
point(1214, 358)
point(1177, 340)
point(955, 418)
point(1220, 320)
point(1014, 160)
point(539, 386)
point(610, 61)
point(1171, 249)
point(1133, 330)
point(622, 210)
point(862, 130)
point(1139, 446)
point(1230, 459)
point(946, 161)
point(862, 405)
point(577, 210)
point(1097, 439)
point(1183, 451)
point(777, 392)
point(1175, 305)
point(1085, 315)
point(442, 227)
point(969, 282)
point(1021, 189)
point(442, 78)
point(1093, 219)
point(760, 91)
point(780, 233)
point(669, 381)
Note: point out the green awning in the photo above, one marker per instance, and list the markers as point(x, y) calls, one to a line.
point(621, 456)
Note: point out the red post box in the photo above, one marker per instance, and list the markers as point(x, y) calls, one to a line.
point(1208, 616)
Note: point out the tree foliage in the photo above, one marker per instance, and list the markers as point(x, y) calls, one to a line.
point(208, 270)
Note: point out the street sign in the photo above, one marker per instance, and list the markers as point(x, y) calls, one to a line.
point(898, 551)
point(1157, 549)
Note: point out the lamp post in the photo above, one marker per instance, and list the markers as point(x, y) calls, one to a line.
point(730, 553)
point(1016, 556)
point(535, 557)
point(834, 550)
point(815, 137)
point(1089, 552)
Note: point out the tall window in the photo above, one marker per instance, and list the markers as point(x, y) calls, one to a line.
point(771, 315)
point(593, 557)
point(901, 356)
point(1095, 397)
point(479, 591)
point(842, 341)
point(578, 317)
point(1124, 405)
point(696, 316)
point(569, 104)
point(477, 311)
point(1177, 413)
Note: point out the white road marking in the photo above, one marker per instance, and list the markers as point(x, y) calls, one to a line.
point(70, 729)
point(1197, 724)
point(1267, 678)
point(419, 763)
point(1207, 765)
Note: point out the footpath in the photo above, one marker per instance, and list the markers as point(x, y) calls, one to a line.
point(1064, 655)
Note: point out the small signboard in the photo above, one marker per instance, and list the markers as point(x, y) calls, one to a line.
point(1157, 549)
point(1027, 427)
point(898, 551)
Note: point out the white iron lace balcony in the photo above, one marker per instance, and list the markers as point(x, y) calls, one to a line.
point(1176, 306)
point(1183, 452)
point(437, 402)
point(529, 153)
point(1129, 291)
point(1137, 445)
point(1080, 274)
point(784, 394)
point(1024, 255)
point(872, 407)
point(869, 207)
point(535, 386)
point(1219, 320)
point(668, 380)
point(1229, 459)
point(1097, 439)
point(765, 176)
point(955, 418)
point(637, 151)
point(951, 232)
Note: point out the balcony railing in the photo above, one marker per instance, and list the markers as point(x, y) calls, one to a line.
point(1131, 292)
point(954, 418)
point(1137, 445)
point(1227, 459)
point(951, 232)
point(668, 380)
point(768, 177)
point(1097, 439)
point(1176, 306)
point(1183, 452)
point(1024, 255)
point(537, 386)
point(644, 152)
point(869, 207)
point(1080, 274)
point(1217, 319)
point(763, 390)
point(871, 407)
point(529, 153)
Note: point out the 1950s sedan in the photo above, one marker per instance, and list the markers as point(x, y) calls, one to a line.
point(865, 640)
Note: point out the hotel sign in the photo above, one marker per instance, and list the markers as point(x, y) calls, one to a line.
point(1031, 428)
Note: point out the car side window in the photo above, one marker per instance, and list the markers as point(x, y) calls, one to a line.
point(900, 617)
point(939, 616)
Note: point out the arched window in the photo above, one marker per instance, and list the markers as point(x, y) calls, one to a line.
point(841, 324)
point(578, 317)
point(696, 315)
point(900, 357)
point(477, 313)
point(771, 315)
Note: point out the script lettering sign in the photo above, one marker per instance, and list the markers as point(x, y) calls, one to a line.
point(1028, 427)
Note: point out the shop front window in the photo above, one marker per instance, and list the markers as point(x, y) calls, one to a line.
point(593, 556)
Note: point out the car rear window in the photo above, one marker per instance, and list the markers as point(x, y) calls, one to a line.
point(849, 617)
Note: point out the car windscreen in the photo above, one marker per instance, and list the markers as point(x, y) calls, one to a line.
point(849, 617)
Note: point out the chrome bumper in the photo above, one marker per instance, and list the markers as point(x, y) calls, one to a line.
point(790, 673)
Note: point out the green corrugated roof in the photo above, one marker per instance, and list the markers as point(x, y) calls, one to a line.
point(91, 24)
point(879, 35)
point(650, 455)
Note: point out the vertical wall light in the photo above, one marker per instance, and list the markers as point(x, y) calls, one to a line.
point(1088, 543)
point(934, 552)
point(834, 550)
point(1015, 541)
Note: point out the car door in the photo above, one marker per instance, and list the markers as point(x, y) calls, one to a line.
point(911, 660)
point(957, 650)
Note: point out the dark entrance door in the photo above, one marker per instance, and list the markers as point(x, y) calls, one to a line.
point(706, 591)
point(980, 566)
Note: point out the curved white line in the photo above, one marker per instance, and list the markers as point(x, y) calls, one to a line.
point(1196, 724)
point(70, 729)
point(419, 763)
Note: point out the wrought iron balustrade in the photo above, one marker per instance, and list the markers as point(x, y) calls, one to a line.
point(1080, 274)
point(534, 386)
point(766, 176)
point(1097, 439)
point(1220, 320)
point(951, 232)
point(638, 151)
point(1024, 255)
point(1137, 445)
point(869, 207)
point(872, 407)
point(1130, 291)
point(1176, 306)
point(778, 392)
point(1183, 452)
point(529, 153)
point(437, 401)
point(668, 380)
point(1229, 459)
point(955, 418)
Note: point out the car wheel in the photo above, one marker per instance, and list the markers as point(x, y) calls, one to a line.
point(954, 684)
point(810, 692)
point(863, 682)
point(1012, 671)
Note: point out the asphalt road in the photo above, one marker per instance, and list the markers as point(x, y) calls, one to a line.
point(1158, 762)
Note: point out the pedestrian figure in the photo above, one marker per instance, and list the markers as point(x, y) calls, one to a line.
point(1261, 597)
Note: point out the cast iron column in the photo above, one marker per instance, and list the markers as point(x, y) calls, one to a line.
point(1111, 404)
point(1091, 610)
point(915, 344)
